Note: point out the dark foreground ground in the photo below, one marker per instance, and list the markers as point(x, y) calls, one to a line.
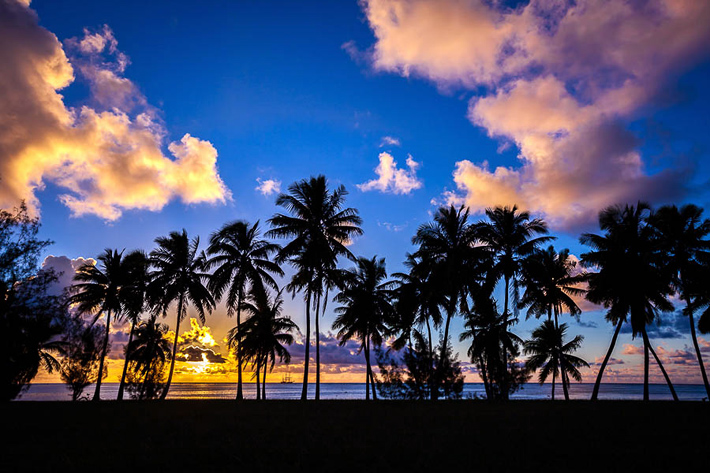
point(289, 436)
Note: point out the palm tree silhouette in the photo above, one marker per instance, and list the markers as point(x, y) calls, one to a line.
point(320, 229)
point(135, 298)
point(550, 283)
point(632, 278)
point(492, 344)
point(365, 311)
point(448, 253)
point(148, 351)
point(179, 276)
point(98, 290)
point(551, 355)
point(682, 234)
point(242, 260)
point(264, 333)
point(509, 235)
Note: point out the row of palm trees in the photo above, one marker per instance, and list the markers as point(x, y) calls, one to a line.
point(642, 259)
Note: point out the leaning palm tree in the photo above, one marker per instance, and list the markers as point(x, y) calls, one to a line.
point(179, 277)
point(263, 334)
point(320, 228)
point(632, 279)
point(511, 236)
point(365, 311)
point(551, 355)
point(242, 260)
point(450, 256)
point(550, 284)
point(148, 352)
point(98, 291)
point(683, 240)
point(135, 298)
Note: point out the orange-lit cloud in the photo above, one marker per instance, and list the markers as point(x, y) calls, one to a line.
point(107, 156)
point(392, 179)
point(560, 78)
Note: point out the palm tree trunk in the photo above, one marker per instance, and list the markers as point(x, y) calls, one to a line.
point(373, 384)
point(438, 372)
point(431, 351)
point(595, 392)
point(367, 372)
point(304, 392)
point(258, 374)
point(97, 392)
point(263, 384)
point(125, 363)
point(663, 370)
point(697, 349)
point(240, 393)
point(181, 302)
point(484, 377)
point(565, 381)
point(645, 364)
point(554, 375)
point(317, 327)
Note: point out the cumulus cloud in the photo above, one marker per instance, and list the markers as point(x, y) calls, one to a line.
point(268, 186)
point(392, 179)
point(561, 80)
point(107, 155)
point(64, 268)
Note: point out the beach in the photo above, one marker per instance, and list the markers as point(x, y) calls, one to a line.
point(220, 435)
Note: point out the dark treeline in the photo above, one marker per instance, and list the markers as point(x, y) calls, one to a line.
point(640, 260)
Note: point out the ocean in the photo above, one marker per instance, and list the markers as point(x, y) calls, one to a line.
point(59, 392)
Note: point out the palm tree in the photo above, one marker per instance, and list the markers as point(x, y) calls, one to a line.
point(550, 284)
point(632, 278)
point(97, 291)
point(179, 276)
point(449, 255)
point(551, 355)
point(365, 310)
point(148, 352)
point(509, 235)
point(320, 229)
point(242, 261)
point(134, 298)
point(264, 333)
point(493, 347)
point(683, 238)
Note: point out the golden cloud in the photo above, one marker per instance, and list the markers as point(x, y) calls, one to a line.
point(108, 157)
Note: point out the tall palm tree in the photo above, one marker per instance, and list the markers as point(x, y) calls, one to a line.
point(135, 298)
point(180, 277)
point(320, 229)
point(448, 253)
point(550, 284)
point(148, 352)
point(98, 291)
point(242, 260)
point(551, 355)
point(264, 333)
point(511, 236)
point(683, 240)
point(632, 278)
point(417, 303)
point(492, 347)
point(365, 311)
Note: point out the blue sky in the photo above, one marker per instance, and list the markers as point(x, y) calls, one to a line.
point(286, 90)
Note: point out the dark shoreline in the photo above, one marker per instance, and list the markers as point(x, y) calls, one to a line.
point(217, 435)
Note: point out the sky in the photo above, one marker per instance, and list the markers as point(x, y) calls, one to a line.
point(123, 121)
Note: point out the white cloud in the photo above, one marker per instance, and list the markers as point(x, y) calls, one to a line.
point(391, 179)
point(268, 186)
point(389, 141)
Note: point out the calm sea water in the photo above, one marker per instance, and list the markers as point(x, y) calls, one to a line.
point(59, 392)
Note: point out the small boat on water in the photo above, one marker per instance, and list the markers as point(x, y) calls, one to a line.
point(286, 379)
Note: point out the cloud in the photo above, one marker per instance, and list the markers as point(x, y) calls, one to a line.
point(612, 361)
point(559, 79)
point(630, 349)
point(199, 354)
point(389, 141)
point(666, 326)
point(196, 334)
point(268, 187)
point(391, 179)
point(107, 156)
point(64, 268)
